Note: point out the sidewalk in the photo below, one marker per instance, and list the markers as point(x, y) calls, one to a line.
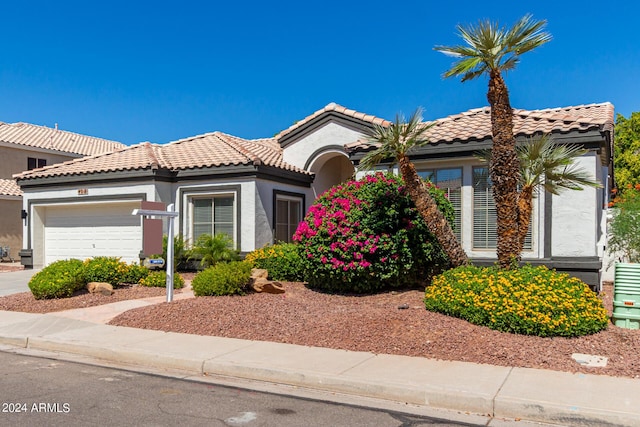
point(503, 392)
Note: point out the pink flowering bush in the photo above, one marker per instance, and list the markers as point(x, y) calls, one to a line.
point(365, 236)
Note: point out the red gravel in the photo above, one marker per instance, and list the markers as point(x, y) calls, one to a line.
point(372, 323)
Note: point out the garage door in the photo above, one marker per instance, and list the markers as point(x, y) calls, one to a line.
point(89, 230)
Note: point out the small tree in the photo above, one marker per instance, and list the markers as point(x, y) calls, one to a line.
point(624, 228)
point(627, 150)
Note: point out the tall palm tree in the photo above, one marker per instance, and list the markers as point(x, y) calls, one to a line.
point(395, 141)
point(545, 166)
point(491, 50)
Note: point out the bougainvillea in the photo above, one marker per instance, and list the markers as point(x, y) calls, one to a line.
point(366, 235)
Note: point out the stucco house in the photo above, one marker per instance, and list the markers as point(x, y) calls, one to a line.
point(24, 147)
point(257, 191)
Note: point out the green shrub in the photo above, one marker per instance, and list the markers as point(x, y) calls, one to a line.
point(180, 251)
point(366, 236)
point(105, 269)
point(211, 250)
point(529, 300)
point(58, 280)
point(158, 279)
point(624, 228)
point(133, 273)
point(222, 279)
point(282, 261)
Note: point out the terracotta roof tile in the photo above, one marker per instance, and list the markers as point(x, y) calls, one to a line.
point(338, 109)
point(219, 149)
point(135, 157)
point(8, 187)
point(54, 139)
point(202, 151)
point(475, 124)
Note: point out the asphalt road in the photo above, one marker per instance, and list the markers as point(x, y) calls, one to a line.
point(37, 391)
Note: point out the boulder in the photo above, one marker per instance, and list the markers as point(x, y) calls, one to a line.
point(261, 284)
point(257, 273)
point(100, 288)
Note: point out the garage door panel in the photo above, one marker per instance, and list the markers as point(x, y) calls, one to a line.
point(92, 230)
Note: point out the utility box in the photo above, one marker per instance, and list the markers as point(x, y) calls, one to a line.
point(626, 296)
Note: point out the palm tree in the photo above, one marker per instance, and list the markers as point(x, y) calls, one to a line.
point(394, 142)
point(214, 249)
point(545, 166)
point(492, 50)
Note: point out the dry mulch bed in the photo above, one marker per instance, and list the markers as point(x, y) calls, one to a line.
point(374, 323)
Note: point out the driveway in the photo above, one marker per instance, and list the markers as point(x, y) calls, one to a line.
point(13, 282)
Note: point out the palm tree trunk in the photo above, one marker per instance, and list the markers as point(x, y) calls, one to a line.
point(504, 170)
point(430, 213)
point(525, 207)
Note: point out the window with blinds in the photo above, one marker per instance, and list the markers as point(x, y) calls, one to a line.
point(288, 215)
point(484, 212)
point(214, 215)
point(450, 181)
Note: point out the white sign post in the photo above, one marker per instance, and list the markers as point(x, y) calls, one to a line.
point(172, 215)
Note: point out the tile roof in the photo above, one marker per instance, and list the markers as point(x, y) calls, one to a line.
point(8, 187)
point(333, 107)
point(55, 139)
point(218, 149)
point(135, 157)
point(202, 151)
point(475, 125)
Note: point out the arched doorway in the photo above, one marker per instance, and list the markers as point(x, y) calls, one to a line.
point(330, 168)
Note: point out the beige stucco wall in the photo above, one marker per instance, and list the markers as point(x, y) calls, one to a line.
point(11, 225)
point(14, 160)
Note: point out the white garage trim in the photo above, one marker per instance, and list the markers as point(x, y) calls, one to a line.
point(93, 229)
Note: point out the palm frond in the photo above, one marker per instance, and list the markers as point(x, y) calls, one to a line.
point(395, 140)
point(491, 47)
point(545, 164)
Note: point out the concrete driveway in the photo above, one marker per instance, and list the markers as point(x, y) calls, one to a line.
point(13, 282)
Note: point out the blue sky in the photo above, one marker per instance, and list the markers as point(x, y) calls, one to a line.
point(135, 71)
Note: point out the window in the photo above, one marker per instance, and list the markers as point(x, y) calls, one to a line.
point(484, 212)
point(33, 163)
point(213, 215)
point(450, 181)
point(288, 214)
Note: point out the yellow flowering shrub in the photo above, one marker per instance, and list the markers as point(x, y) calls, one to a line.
point(158, 279)
point(60, 279)
point(529, 300)
point(282, 261)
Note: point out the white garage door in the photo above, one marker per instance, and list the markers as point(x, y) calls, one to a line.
point(89, 230)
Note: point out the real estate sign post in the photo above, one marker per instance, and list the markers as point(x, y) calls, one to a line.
point(171, 214)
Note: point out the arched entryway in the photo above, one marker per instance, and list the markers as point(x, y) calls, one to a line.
point(330, 168)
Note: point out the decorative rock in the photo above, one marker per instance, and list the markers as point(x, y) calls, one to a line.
point(262, 284)
point(403, 306)
point(100, 287)
point(259, 273)
point(273, 288)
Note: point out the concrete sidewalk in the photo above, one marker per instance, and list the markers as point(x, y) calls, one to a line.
point(503, 392)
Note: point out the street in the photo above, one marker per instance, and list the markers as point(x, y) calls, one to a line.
point(37, 391)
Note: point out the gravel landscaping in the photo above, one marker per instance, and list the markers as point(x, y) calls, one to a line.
point(389, 323)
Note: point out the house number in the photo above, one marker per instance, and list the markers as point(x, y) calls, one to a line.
point(83, 191)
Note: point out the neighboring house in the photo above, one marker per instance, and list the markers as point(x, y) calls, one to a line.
point(26, 147)
point(257, 191)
